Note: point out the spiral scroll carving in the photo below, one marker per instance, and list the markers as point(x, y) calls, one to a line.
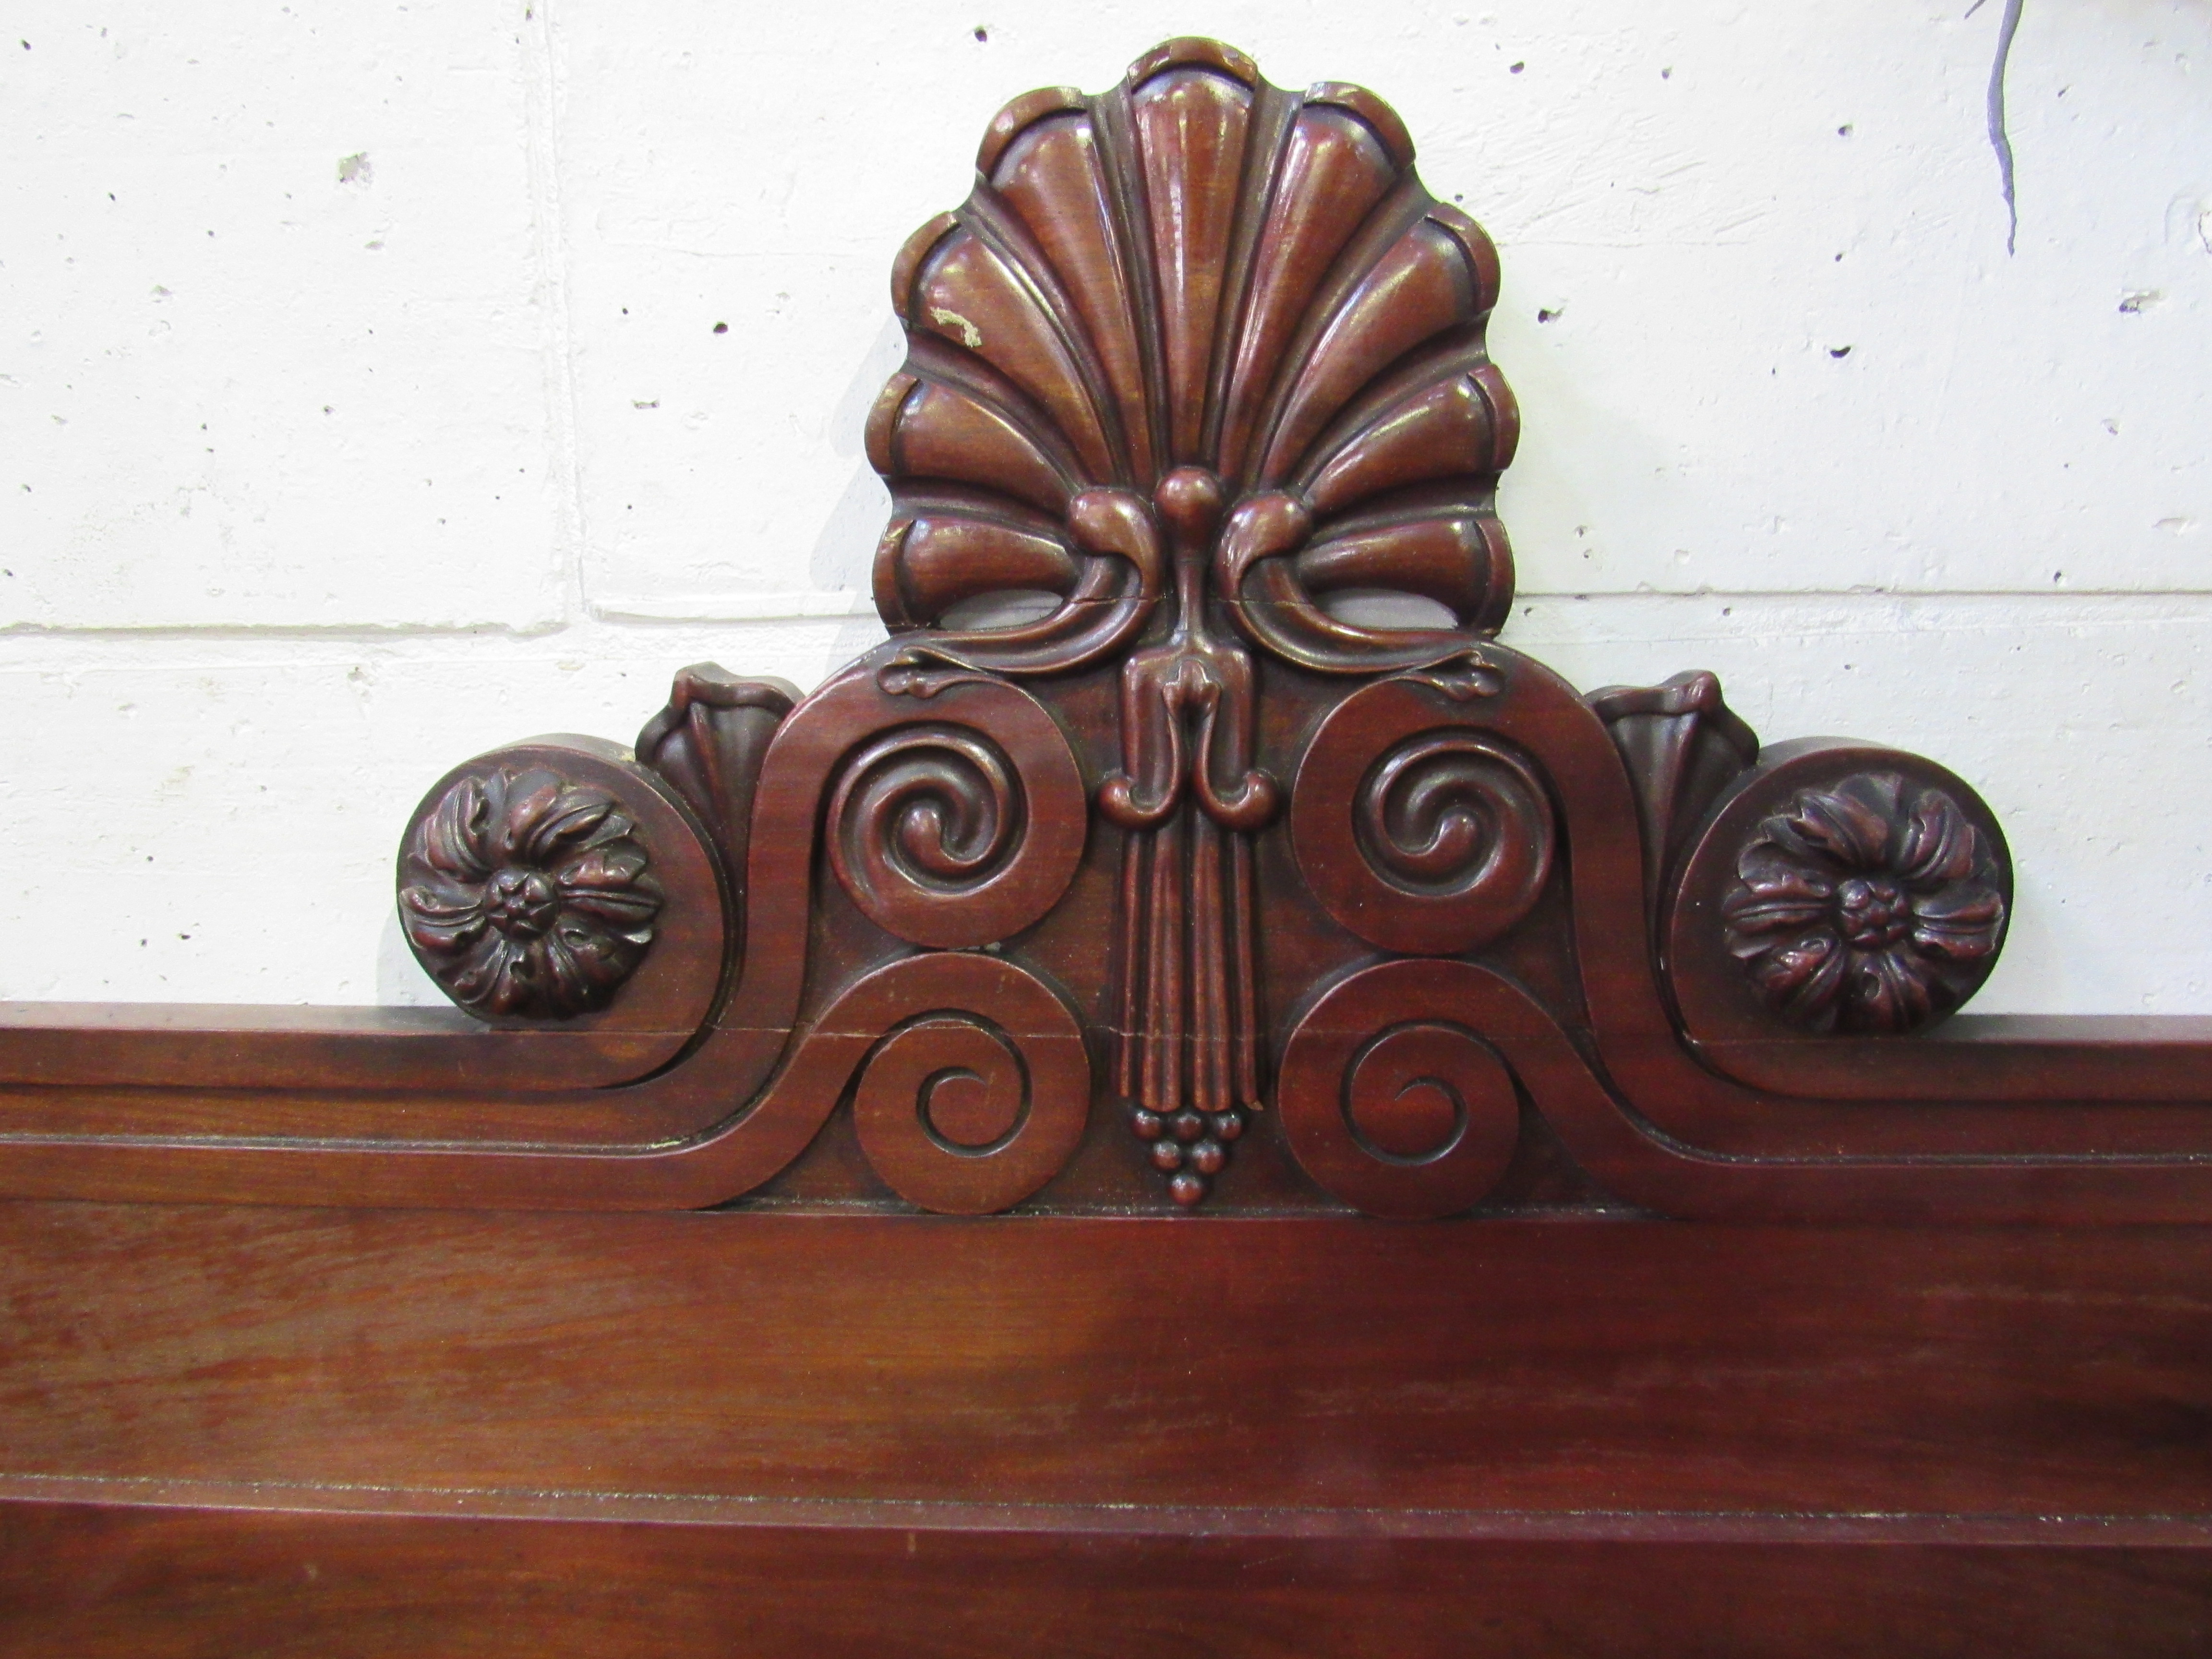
point(1401, 1101)
point(1457, 815)
point(930, 832)
point(1441, 844)
point(1416, 1121)
point(963, 1115)
point(933, 810)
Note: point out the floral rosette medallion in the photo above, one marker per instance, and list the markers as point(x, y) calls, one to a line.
point(1872, 906)
point(526, 894)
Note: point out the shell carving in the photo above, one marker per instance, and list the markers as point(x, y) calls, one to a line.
point(1194, 355)
point(1195, 271)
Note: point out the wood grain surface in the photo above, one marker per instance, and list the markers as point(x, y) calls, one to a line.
point(154, 1583)
point(860, 1427)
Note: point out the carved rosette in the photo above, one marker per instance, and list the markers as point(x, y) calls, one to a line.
point(1871, 905)
point(527, 894)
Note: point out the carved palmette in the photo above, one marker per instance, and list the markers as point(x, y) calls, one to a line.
point(1195, 354)
point(1195, 269)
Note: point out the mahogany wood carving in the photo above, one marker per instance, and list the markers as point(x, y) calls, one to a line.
point(1186, 885)
point(1193, 887)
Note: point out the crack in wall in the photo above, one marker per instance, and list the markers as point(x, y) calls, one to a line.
point(2001, 140)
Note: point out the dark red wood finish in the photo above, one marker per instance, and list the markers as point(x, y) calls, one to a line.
point(860, 1427)
point(1763, 1305)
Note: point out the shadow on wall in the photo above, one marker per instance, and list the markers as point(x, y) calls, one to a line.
point(400, 980)
point(843, 558)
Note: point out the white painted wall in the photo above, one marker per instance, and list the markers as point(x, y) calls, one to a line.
point(360, 408)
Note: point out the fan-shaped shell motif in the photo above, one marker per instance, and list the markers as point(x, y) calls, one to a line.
point(1195, 269)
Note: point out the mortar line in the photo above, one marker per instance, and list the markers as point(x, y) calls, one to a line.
point(612, 618)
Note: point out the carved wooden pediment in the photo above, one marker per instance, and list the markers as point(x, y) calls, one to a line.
point(1244, 864)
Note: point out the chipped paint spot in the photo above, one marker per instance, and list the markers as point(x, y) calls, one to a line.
point(970, 336)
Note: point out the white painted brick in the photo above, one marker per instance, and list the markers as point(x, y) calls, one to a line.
point(235, 390)
point(217, 821)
